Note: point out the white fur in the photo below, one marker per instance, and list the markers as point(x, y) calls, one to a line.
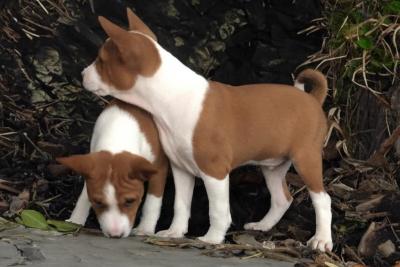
point(92, 81)
point(219, 209)
point(116, 131)
point(323, 216)
point(279, 203)
point(174, 95)
point(299, 85)
point(184, 184)
point(82, 208)
point(151, 212)
point(270, 163)
point(113, 223)
point(175, 85)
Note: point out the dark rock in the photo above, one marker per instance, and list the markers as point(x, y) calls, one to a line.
point(31, 252)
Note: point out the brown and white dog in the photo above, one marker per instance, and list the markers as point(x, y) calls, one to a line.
point(208, 128)
point(125, 151)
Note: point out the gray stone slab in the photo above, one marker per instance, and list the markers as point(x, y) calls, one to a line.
point(40, 248)
point(9, 255)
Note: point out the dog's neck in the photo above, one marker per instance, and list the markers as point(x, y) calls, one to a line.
point(173, 91)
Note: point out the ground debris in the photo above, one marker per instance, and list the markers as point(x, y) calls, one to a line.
point(245, 245)
point(20, 202)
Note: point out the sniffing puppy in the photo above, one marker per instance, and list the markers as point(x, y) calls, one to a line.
point(125, 151)
point(208, 128)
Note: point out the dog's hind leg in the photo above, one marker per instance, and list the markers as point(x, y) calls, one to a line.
point(280, 197)
point(308, 164)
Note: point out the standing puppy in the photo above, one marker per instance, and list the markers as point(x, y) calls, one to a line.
point(208, 128)
point(125, 152)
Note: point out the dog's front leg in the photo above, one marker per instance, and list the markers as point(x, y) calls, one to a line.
point(219, 209)
point(184, 184)
point(151, 212)
point(82, 208)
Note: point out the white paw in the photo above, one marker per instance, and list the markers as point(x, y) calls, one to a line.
point(212, 238)
point(79, 221)
point(174, 233)
point(321, 243)
point(258, 226)
point(142, 232)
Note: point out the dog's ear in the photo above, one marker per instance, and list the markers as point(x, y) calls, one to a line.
point(117, 34)
point(82, 164)
point(136, 24)
point(144, 168)
point(136, 167)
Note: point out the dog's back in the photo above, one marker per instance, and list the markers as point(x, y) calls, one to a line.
point(122, 127)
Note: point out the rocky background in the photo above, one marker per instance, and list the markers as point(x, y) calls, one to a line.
point(45, 113)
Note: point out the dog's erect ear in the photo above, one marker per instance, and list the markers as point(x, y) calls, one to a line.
point(81, 164)
point(136, 24)
point(117, 34)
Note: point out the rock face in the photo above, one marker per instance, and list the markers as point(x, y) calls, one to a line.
point(232, 41)
point(44, 112)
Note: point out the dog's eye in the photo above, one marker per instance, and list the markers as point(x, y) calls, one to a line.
point(128, 202)
point(98, 204)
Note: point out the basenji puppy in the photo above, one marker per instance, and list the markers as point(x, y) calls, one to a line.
point(208, 128)
point(125, 151)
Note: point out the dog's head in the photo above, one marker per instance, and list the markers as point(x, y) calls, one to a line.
point(114, 186)
point(123, 56)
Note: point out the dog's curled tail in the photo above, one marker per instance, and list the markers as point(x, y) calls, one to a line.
point(317, 81)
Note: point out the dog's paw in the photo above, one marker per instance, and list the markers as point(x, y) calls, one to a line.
point(258, 226)
point(174, 233)
point(142, 232)
point(79, 221)
point(212, 238)
point(321, 243)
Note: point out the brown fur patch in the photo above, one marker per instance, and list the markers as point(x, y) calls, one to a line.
point(125, 56)
point(257, 122)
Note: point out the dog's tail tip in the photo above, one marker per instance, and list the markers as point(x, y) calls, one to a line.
point(317, 81)
point(299, 85)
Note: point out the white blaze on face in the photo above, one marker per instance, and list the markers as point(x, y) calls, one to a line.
point(113, 223)
point(92, 82)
